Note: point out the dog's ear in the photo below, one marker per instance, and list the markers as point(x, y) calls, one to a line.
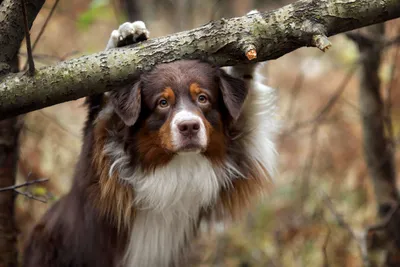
point(126, 101)
point(234, 92)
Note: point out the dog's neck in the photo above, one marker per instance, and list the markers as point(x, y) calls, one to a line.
point(168, 203)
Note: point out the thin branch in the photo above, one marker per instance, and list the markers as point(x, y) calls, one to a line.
point(42, 30)
point(321, 114)
point(28, 40)
point(324, 248)
point(28, 183)
point(30, 195)
point(388, 104)
point(360, 240)
point(298, 82)
point(385, 222)
point(306, 173)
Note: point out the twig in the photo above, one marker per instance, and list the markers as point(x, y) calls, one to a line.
point(339, 218)
point(42, 31)
point(385, 222)
point(298, 82)
point(324, 248)
point(30, 195)
point(306, 173)
point(320, 115)
point(388, 105)
point(28, 40)
point(28, 183)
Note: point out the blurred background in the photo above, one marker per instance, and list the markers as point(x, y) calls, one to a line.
point(322, 179)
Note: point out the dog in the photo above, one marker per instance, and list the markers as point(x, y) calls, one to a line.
point(187, 142)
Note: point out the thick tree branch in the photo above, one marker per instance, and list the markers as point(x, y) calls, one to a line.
point(224, 42)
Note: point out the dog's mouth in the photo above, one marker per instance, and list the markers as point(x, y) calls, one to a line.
point(190, 146)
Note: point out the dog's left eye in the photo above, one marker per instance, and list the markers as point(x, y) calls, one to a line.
point(202, 99)
point(163, 103)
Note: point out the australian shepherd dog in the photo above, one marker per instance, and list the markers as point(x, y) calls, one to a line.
point(186, 143)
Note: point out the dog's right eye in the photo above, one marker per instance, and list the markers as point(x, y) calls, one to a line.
point(163, 103)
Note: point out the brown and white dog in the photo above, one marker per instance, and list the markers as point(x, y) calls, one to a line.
point(185, 143)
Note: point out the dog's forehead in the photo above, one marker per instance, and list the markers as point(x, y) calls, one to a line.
point(179, 76)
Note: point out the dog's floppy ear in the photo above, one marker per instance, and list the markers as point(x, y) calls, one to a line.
point(126, 101)
point(234, 92)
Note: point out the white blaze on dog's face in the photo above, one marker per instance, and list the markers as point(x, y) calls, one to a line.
point(180, 107)
point(188, 132)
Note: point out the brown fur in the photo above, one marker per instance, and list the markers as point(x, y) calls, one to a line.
point(91, 225)
point(116, 199)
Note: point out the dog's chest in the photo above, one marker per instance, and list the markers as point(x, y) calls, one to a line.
point(169, 201)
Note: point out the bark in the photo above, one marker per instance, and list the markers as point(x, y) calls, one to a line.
point(378, 151)
point(224, 42)
point(12, 28)
point(11, 35)
point(9, 132)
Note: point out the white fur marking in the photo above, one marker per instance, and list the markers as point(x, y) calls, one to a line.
point(169, 200)
point(182, 116)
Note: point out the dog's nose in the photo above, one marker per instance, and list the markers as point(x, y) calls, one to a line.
point(189, 127)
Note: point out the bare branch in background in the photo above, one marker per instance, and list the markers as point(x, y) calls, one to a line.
point(322, 113)
point(42, 30)
point(325, 250)
point(388, 103)
point(13, 187)
point(360, 240)
point(306, 172)
point(26, 193)
point(298, 82)
point(223, 42)
point(28, 39)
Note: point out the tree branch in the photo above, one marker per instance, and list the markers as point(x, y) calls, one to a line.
point(224, 42)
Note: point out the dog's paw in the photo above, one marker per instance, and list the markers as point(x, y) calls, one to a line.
point(128, 33)
point(254, 11)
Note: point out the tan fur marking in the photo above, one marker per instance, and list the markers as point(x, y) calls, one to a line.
point(216, 149)
point(152, 149)
point(169, 94)
point(165, 135)
point(116, 199)
point(195, 90)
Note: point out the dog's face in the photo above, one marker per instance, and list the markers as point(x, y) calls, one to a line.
point(181, 107)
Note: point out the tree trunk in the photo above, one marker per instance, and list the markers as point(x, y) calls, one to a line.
point(378, 150)
point(11, 36)
point(9, 133)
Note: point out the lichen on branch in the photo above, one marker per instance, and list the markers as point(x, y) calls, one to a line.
point(223, 42)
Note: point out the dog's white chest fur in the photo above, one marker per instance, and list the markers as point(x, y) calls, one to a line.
point(170, 199)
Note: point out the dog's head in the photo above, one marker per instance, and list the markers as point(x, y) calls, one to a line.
point(180, 107)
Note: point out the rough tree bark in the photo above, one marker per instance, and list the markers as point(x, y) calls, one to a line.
point(224, 42)
point(378, 149)
point(11, 36)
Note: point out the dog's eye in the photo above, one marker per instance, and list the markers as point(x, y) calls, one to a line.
point(163, 103)
point(202, 99)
